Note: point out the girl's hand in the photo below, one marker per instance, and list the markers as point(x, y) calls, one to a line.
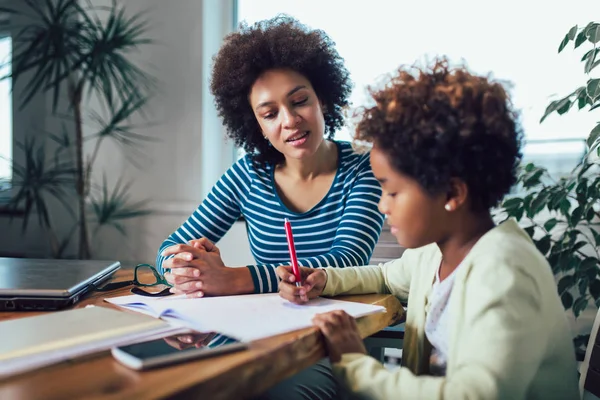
point(341, 334)
point(313, 283)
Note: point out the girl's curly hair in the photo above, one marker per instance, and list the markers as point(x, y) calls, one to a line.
point(442, 123)
point(281, 42)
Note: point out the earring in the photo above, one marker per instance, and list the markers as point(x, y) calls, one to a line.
point(448, 207)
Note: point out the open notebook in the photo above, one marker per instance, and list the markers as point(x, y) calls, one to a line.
point(247, 317)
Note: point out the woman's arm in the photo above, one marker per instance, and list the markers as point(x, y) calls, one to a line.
point(216, 214)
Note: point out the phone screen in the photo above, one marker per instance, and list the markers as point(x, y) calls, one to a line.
point(178, 343)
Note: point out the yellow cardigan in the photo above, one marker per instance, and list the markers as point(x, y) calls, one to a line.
point(508, 337)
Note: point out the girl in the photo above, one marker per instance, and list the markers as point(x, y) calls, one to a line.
point(484, 319)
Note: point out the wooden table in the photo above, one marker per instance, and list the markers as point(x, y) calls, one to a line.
point(237, 375)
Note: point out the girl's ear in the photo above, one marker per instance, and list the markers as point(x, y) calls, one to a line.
point(457, 195)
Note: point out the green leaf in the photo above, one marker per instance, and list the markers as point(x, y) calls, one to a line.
point(595, 289)
point(589, 216)
point(590, 57)
point(550, 224)
point(590, 263)
point(513, 203)
point(563, 43)
point(587, 54)
point(596, 237)
point(572, 32)
point(566, 106)
point(533, 178)
point(593, 89)
point(530, 231)
point(581, 189)
point(580, 39)
point(578, 246)
point(569, 262)
point(514, 208)
point(567, 300)
point(591, 274)
point(580, 305)
point(576, 216)
point(583, 285)
point(543, 244)
point(529, 167)
point(556, 199)
point(565, 283)
point(553, 106)
point(593, 33)
point(540, 202)
point(594, 134)
point(564, 207)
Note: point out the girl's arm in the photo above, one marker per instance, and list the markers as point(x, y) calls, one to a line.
point(505, 336)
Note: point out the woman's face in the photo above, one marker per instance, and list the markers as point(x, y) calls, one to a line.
point(289, 112)
point(416, 218)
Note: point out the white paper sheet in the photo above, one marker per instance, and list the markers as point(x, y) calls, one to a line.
point(248, 317)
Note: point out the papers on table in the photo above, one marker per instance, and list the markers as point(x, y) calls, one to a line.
point(247, 317)
point(34, 342)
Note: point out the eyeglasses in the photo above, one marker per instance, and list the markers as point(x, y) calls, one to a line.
point(144, 275)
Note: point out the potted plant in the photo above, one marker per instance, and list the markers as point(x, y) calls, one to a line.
point(79, 52)
point(561, 214)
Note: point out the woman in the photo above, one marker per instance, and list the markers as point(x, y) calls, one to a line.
point(484, 319)
point(281, 89)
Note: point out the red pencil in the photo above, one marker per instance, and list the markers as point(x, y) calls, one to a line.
point(292, 249)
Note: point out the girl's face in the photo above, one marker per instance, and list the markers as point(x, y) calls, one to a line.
point(416, 218)
point(289, 112)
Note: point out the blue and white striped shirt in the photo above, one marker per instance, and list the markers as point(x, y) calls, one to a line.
point(340, 231)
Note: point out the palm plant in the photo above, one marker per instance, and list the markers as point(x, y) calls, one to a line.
point(78, 51)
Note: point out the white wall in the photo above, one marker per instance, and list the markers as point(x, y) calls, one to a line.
point(191, 153)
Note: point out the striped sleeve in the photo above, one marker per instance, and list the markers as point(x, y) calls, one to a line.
point(355, 238)
point(216, 214)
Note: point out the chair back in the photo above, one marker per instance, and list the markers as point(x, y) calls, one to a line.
point(387, 247)
point(589, 381)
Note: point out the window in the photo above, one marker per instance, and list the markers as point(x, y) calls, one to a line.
point(5, 114)
point(517, 41)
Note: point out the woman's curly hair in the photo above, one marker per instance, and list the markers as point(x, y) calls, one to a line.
point(443, 123)
point(281, 42)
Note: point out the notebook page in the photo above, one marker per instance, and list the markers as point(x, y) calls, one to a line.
point(252, 317)
point(153, 306)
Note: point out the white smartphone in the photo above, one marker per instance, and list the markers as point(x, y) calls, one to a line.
point(176, 348)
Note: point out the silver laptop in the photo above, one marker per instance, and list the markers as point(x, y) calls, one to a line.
point(32, 284)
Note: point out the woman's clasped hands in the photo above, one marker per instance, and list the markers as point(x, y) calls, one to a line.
point(197, 269)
